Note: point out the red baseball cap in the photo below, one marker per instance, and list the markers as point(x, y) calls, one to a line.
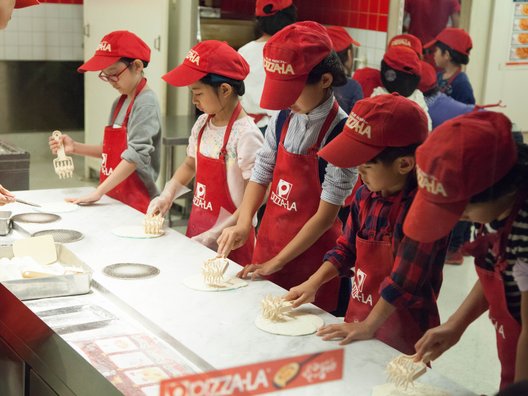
point(454, 38)
point(373, 125)
point(275, 6)
point(407, 40)
point(369, 79)
point(403, 59)
point(461, 158)
point(25, 3)
point(210, 56)
point(114, 46)
point(289, 56)
point(428, 79)
point(341, 39)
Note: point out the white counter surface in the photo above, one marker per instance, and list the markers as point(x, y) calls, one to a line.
point(217, 326)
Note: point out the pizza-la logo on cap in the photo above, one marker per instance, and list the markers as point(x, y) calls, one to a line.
point(430, 183)
point(401, 41)
point(278, 66)
point(359, 125)
point(104, 46)
point(193, 57)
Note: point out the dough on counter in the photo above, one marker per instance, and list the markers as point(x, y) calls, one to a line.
point(196, 282)
point(297, 323)
point(57, 207)
point(134, 231)
point(419, 389)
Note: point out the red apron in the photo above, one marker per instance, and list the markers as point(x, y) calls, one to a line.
point(507, 328)
point(211, 193)
point(293, 200)
point(374, 262)
point(131, 191)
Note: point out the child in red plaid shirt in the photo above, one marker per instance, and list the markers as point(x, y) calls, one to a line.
point(397, 280)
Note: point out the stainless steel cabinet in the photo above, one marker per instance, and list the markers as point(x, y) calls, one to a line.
point(38, 387)
point(11, 372)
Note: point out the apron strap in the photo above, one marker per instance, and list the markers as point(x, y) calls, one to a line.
point(450, 80)
point(121, 101)
point(227, 134)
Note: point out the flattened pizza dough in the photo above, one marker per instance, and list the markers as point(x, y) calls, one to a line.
point(134, 231)
point(196, 282)
point(296, 324)
point(57, 207)
point(418, 389)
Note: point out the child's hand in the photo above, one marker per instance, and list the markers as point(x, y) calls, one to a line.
point(436, 341)
point(6, 196)
point(302, 294)
point(67, 142)
point(260, 270)
point(87, 199)
point(159, 205)
point(232, 238)
point(347, 331)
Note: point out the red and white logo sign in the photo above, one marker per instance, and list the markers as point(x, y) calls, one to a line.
point(430, 183)
point(278, 66)
point(104, 46)
point(260, 378)
point(357, 288)
point(104, 170)
point(401, 41)
point(282, 194)
point(359, 125)
point(193, 57)
point(199, 197)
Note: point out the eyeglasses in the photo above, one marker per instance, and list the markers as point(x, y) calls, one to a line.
point(112, 77)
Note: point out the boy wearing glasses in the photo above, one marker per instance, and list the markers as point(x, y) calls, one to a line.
point(131, 146)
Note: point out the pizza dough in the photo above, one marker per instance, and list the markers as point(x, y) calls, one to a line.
point(296, 324)
point(418, 389)
point(196, 282)
point(57, 207)
point(134, 231)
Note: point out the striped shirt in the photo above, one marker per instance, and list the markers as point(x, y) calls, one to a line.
point(303, 132)
point(516, 250)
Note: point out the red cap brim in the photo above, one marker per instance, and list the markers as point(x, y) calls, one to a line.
point(428, 221)
point(183, 76)
point(430, 43)
point(97, 63)
point(25, 3)
point(281, 94)
point(346, 152)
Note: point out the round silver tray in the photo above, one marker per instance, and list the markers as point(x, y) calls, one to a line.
point(130, 271)
point(62, 235)
point(40, 217)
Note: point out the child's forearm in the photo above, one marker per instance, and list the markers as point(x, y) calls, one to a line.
point(521, 361)
point(379, 314)
point(253, 198)
point(473, 306)
point(88, 150)
point(326, 272)
point(123, 170)
point(316, 226)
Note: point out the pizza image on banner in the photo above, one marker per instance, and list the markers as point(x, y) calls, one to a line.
point(260, 378)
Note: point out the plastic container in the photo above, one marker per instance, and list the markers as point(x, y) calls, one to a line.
point(14, 167)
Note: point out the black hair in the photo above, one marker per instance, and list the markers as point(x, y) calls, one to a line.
point(343, 55)
point(129, 61)
point(215, 80)
point(391, 154)
point(397, 81)
point(515, 178)
point(273, 23)
point(457, 58)
point(331, 64)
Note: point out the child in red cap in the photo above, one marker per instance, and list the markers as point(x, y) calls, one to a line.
point(396, 280)
point(470, 168)
point(6, 9)
point(131, 145)
point(272, 16)
point(300, 222)
point(452, 47)
point(343, 45)
point(401, 69)
point(222, 145)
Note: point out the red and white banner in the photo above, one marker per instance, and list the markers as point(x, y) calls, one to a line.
point(260, 378)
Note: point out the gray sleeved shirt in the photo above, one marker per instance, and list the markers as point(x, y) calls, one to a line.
point(144, 137)
point(302, 134)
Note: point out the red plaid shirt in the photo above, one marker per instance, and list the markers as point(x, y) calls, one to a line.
point(416, 276)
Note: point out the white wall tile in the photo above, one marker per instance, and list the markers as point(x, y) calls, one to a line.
point(25, 53)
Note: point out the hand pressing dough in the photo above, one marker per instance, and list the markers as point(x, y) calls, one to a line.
point(57, 207)
point(134, 231)
point(297, 323)
point(418, 389)
point(196, 282)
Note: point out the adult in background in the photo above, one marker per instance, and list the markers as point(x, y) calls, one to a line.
point(272, 16)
